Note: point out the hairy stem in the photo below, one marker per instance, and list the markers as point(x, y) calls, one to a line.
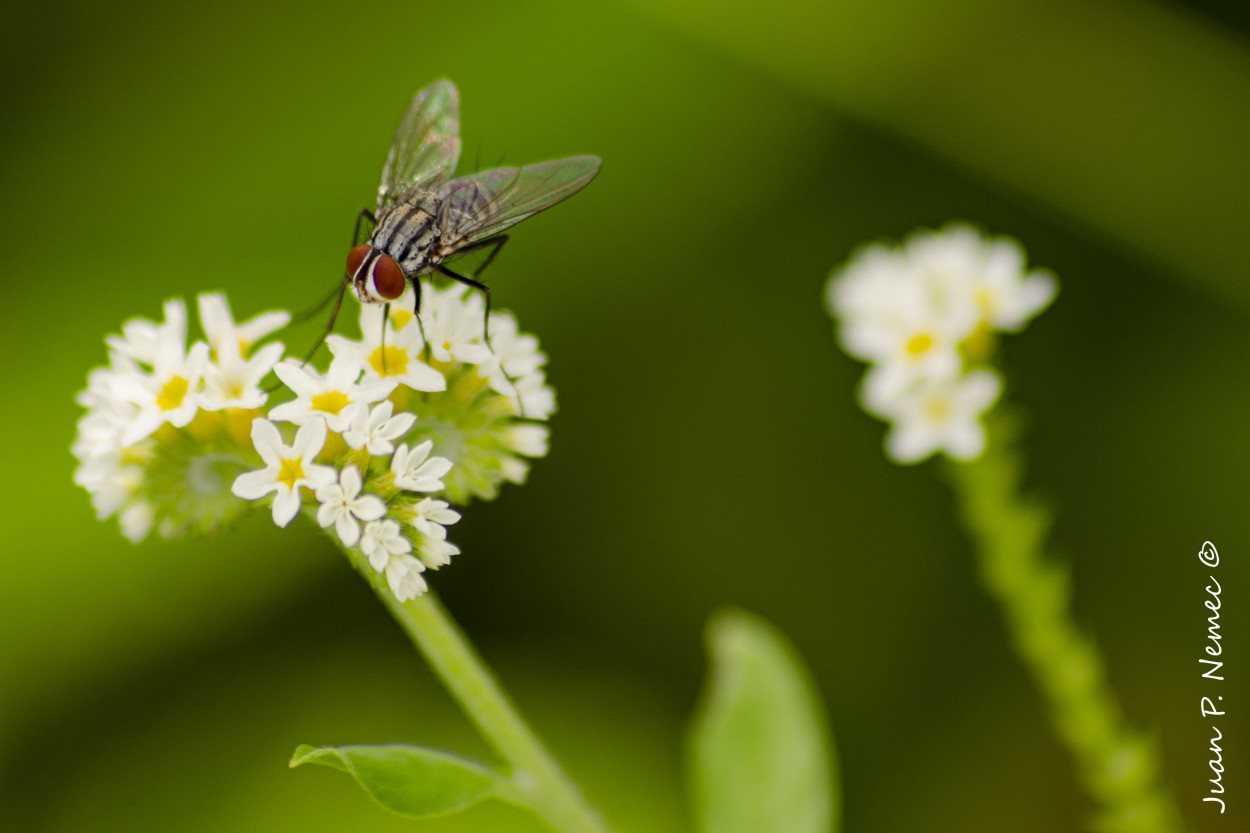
point(538, 780)
point(1119, 766)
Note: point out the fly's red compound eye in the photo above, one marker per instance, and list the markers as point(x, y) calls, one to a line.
point(356, 257)
point(388, 278)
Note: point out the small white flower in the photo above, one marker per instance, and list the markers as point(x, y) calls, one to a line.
point(383, 539)
point(374, 430)
point(394, 352)
point(136, 520)
point(233, 381)
point(326, 398)
point(909, 321)
point(529, 440)
point(224, 334)
point(417, 474)
point(514, 354)
point(388, 552)
point(537, 398)
point(941, 415)
point(171, 392)
point(514, 470)
point(452, 319)
point(429, 517)
point(342, 505)
point(990, 271)
point(140, 336)
point(435, 553)
point(287, 468)
point(403, 576)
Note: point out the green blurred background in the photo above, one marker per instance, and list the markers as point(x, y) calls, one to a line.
point(707, 450)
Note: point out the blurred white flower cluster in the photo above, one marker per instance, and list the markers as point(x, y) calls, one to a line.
point(177, 438)
point(924, 315)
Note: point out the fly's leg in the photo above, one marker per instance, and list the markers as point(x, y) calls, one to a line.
point(301, 317)
point(365, 224)
point(485, 290)
point(338, 304)
point(480, 287)
point(495, 244)
point(416, 314)
point(334, 315)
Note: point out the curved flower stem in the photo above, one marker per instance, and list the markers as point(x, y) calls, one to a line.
point(1119, 766)
point(539, 782)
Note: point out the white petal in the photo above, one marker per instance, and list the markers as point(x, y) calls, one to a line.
point(267, 441)
point(296, 412)
point(298, 379)
point(309, 440)
point(379, 415)
point(348, 529)
point(350, 478)
point(435, 467)
point(909, 444)
point(980, 389)
point(327, 513)
point(316, 476)
point(285, 506)
point(342, 373)
point(368, 507)
point(265, 358)
point(422, 377)
point(399, 426)
point(966, 442)
point(253, 485)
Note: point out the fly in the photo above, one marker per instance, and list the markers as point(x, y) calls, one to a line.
point(424, 218)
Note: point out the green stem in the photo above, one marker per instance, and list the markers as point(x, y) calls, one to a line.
point(1119, 766)
point(537, 778)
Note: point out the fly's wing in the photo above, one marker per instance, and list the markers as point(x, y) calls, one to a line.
point(486, 203)
point(426, 146)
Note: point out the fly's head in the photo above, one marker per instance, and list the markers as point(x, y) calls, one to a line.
point(375, 276)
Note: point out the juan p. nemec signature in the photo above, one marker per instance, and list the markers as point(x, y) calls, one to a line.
point(1213, 670)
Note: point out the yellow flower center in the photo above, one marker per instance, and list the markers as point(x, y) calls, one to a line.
point(172, 394)
point(938, 409)
point(918, 345)
point(330, 402)
point(389, 361)
point(986, 301)
point(291, 472)
point(401, 318)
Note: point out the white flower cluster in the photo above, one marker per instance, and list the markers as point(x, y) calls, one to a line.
point(343, 503)
point(162, 419)
point(171, 432)
point(924, 315)
point(488, 418)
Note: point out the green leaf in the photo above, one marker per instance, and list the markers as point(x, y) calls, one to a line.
point(408, 780)
point(761, 759)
